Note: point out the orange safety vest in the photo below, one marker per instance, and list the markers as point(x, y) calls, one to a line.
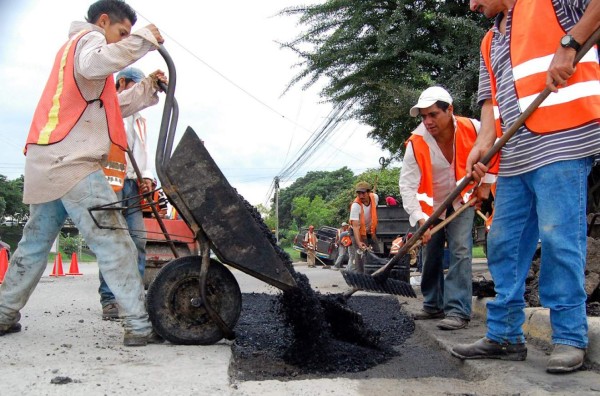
point(345, 240)
point(464, 138)
point(363, 224)
point(531, 51)
point(62, 103)
point(115, 168)
point(311, 240)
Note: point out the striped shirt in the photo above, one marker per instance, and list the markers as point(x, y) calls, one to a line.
point(527, 151)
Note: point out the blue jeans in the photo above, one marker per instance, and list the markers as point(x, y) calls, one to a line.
point(114, 250)
point(454, 293)
point(549, 204)
point(135, 224)
point(345, 251)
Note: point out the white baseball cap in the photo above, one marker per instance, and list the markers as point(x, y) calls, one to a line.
point(429, 97)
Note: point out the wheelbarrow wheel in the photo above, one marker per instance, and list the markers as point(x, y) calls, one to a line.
point(175, 307)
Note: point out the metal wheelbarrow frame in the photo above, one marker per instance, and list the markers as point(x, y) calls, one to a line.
point(196, 300)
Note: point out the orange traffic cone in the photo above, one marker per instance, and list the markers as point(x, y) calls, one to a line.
point(57, 270)
point(74, 268)
point(3, 263)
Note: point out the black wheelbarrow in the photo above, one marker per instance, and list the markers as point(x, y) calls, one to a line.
point(196, 299)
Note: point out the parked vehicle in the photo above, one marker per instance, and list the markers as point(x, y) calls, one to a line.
point(326, 250)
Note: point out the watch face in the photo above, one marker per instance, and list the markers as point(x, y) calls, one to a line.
point(565, 41)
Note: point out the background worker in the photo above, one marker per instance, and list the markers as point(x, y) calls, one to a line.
point(162, 203)
point(134, 84)
point(74, 124)
point(363, 220)
point(434, 161)
point(542, 184)
point(310, 245)
point(345, 248)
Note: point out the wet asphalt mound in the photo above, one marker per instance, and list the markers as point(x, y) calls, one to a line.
point(268, 348)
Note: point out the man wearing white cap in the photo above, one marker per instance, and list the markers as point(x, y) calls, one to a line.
point(132, 83)
point(434, 161)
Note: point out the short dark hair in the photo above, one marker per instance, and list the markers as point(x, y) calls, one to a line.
point(442, 105)
point(117, 10)
point(118, 83)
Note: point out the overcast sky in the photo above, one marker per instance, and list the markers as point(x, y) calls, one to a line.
point(230, 77)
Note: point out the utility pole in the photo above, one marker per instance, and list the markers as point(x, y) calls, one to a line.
point(276, 181)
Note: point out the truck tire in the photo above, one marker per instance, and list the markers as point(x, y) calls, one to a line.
point(173, 303)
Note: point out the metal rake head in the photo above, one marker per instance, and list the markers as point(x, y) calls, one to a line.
point(388, 286)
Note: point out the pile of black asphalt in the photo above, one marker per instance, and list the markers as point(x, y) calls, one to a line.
point(304, 332)
point(267, 346)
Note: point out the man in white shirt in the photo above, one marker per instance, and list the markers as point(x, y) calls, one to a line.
point(433, 163)
point(135, 127)
point(363, 220)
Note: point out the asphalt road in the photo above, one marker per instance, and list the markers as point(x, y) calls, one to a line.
point(64, 340)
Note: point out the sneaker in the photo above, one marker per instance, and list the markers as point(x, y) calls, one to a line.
point(488, 349)
point(453, 323)
point(13, 328)
point(425, 315)
point(130, 339)
point(565, 358)
point(110, 312)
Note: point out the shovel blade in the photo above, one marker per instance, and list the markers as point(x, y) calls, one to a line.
point(387, 286)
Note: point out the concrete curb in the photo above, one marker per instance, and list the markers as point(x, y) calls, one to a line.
point(537, 325)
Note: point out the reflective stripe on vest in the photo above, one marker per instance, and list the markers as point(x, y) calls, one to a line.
point(373, 211)
point(396, 245)
point(531, 51)
point(62, 103)
point(115, 168)
point(464, 138)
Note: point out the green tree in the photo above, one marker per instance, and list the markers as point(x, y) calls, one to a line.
point(381, 54)
point(12, 193)
point(312, 212)
point(385, 182)
point(327, 185)
point(267, 215)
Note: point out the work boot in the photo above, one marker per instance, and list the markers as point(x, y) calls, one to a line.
point(142, 340)
point(110, 312)
point(453, 323)
point(13, 328)
point(425, 315)
point(488, 349)
point(565, 358)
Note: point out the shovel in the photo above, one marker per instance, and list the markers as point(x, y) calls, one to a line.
point(380, 281)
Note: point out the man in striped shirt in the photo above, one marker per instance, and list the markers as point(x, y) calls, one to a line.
point(542, 184)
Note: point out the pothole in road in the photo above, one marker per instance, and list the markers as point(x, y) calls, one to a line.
point(261, 350)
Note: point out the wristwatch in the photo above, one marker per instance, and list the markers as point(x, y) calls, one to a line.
point(568, 41)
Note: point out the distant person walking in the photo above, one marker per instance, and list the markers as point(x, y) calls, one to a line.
point(345, 247)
